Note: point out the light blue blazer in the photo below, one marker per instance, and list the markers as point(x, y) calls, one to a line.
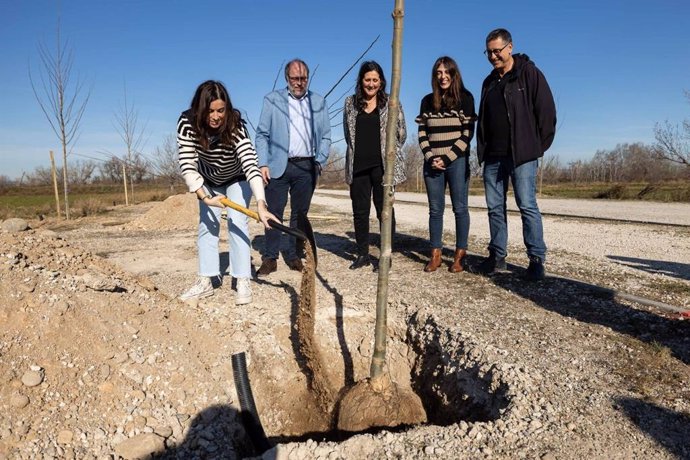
point(273, 131)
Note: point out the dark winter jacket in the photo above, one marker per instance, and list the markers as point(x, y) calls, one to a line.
point(531, 111)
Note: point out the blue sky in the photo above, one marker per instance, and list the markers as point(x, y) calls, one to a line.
point(615, 67)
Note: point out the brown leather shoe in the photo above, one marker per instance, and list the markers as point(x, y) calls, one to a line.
point(435, 261)
point(457, 267)
point(267, 266)
point(295, 264)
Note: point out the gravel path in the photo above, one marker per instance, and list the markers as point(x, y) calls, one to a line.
point(653, 248)
point(635, 211)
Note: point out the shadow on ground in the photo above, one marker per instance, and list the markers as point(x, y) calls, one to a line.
point(571, 299)
point(669, 428)
point(662, 267)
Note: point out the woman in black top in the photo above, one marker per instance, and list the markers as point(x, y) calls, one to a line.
point(364, 121)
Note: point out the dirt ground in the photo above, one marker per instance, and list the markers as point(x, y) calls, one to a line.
point(99, 360)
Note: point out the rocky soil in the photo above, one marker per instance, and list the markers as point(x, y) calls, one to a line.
point(99, 360)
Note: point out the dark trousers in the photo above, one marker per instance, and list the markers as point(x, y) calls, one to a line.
point(365, 184)
point(299, 181)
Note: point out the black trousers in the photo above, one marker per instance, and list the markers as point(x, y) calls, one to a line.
point(365, 184)
point(299, 181)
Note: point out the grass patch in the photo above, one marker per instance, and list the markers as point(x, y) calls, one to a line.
point(85, 200)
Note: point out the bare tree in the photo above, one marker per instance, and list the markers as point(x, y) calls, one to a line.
point(82, 172)
point(132, 134)
point(378, 358)
point(414, 164)
point(62, 102)
point(333, 173)
point(672, 142)
point(165, 164)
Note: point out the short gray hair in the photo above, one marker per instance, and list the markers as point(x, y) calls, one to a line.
point(295, 61)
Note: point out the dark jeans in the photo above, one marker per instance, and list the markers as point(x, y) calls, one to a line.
point(497, 173)
point(365, 184)
point(299, 180)
point(457, 177)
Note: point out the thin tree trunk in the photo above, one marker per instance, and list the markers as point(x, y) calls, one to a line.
point(55, 184)
point(379, 357)
point(124, 180)
point(65, 186)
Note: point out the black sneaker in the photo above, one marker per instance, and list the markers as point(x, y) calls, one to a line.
point(492, 265)
point(535, 270)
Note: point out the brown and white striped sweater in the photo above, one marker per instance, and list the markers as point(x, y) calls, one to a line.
point(446, 133)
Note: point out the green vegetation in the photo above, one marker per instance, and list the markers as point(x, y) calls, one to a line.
point(32, 202)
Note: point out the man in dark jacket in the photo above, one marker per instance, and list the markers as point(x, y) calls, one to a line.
point(517, 123)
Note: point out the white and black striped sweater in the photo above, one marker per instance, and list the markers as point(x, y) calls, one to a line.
point(446, 133)
point(219, 164)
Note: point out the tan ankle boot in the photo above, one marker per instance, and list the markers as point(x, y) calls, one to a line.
point(457, 261)
point(435, 261)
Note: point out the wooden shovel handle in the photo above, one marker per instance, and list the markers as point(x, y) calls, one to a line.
point(242, 209)
point(254, 215)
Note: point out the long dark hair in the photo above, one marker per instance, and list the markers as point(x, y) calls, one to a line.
point(449, 98)
point(206, 93)
point(381, 96)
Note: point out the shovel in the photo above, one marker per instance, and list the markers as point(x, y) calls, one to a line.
point(303, 233)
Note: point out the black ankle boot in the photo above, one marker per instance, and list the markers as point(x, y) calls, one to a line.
point(361, 261)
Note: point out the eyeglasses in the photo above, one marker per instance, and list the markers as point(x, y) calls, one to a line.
point(495, 51)
point(296, 79)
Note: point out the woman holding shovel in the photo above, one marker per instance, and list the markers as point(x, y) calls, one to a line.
point(218, 160)
point(364, 120)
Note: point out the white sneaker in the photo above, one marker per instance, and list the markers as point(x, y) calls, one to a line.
point(202, 288)
point(244, 291)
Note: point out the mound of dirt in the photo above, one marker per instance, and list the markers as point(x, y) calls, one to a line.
point(178, 212)
point(95, 360)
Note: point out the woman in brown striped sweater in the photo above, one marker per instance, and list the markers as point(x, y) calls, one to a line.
point(446, 127)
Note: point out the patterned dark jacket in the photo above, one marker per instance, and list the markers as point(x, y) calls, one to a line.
point(349, 125)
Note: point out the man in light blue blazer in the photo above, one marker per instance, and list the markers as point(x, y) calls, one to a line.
point(293, 140)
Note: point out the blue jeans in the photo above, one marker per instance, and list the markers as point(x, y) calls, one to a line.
point(238, 229)
point(497, 172)
point(457, 177)
point(299, 180)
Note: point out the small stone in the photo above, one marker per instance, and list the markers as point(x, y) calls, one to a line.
point(139, 421)
point(65, 437)
point(164, 431)
point(106, 388)
point(548, 456)
point(104, 371)
point(140, 446)
point(19, 401)
point(32, 378)
point(15, 225)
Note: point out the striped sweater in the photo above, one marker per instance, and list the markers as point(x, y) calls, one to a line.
point(448, 132)
point(218, 165)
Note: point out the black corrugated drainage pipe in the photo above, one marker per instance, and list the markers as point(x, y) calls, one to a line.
point(250, 416)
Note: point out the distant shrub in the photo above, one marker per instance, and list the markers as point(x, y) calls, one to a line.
point(88, 207)
point(617, 192)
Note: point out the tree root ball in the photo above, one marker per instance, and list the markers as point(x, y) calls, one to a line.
point(379, 402)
